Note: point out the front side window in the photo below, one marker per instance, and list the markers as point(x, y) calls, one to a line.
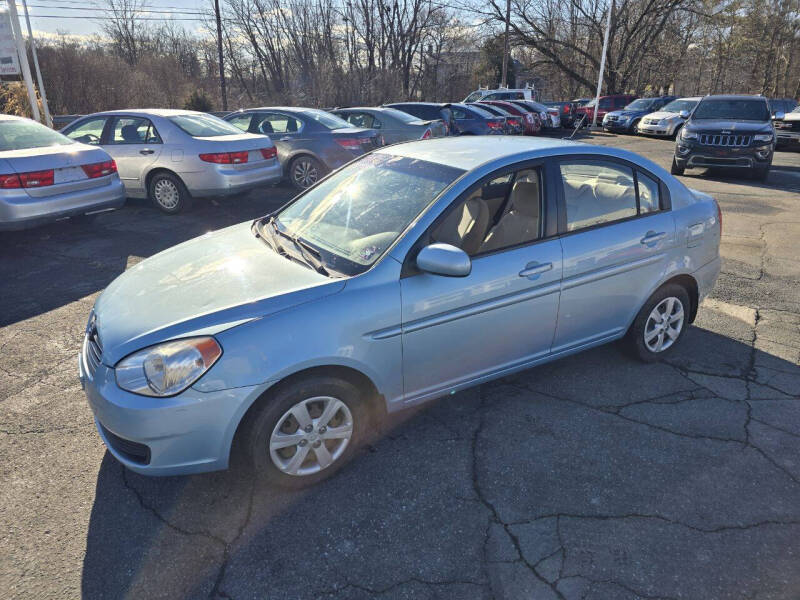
point(133, 130)
point(19, 135)
point(203, 125)
point(502, 213)
point(597, 192)
point(88, 132)
point(605, 102)
point(735, 109)
point(358, 212)
point(279, 123)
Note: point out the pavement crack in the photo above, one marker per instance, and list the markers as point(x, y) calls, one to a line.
point(217, 591)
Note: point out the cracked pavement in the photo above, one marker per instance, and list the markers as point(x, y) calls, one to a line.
point(593, 477)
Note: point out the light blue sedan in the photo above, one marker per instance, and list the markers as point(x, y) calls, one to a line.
point(415, 271)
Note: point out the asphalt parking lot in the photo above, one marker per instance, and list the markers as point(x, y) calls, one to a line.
point(593, 477)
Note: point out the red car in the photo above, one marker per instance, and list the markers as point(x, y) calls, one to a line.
point(607, 104)
point(530, 120)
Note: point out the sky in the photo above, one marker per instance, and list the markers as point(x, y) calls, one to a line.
point(84, 17)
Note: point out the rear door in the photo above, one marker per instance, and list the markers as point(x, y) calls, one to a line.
point(134, 144)
point(617, 230)
point(285, 130)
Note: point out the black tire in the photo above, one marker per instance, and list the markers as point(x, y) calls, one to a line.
point(635, 127)
point(760, 173)
point(167, 192)
point(635, 338)
point(304, 171)
point(676, 169)
point(254, 445)
point(677, 131)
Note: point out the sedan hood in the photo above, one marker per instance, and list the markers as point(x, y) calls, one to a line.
point(201, 287)
point(792, 116)
point(628, 113)
point(662, 114)
point(727, 125)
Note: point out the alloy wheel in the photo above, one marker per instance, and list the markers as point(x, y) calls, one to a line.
point(166, 194)
point(305, 173)
point(664, 324)
point(311, 435)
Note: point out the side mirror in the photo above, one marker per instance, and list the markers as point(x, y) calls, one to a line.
point(779, 116)
point(684, 114)
point(444, 259)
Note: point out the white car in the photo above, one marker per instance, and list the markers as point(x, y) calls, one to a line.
point(667, 121)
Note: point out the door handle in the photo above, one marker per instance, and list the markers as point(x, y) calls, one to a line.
point(651, 237)
point(533, 270)
point(285, 138)
point(146, 151)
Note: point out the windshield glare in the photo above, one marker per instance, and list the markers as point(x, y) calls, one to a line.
point(474, 97)
point(204, 125)
point(19, 135)
point(357, 213)
point(677, 106)
point(744, 110)
point(325, 119)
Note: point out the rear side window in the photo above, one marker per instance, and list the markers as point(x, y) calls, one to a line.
point(649, 199)
point(279, 123)
point(133, 130)
point(597, 192)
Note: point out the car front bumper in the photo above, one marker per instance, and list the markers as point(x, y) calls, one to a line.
point(188, 433)
point(662, 130)
point(692, 155)
point(614, 126)
point(787, 138)
point(226, 180)
point(18, 210)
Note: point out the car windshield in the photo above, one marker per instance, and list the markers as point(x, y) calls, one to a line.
point(204, 126)
point(474, 97)
point(740, 110)
point(358, 212)
point(19, 135)
point(641, 104)
point(677, 106)
point(325, 119)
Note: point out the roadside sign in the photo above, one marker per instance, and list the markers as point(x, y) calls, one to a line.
point(9, 61)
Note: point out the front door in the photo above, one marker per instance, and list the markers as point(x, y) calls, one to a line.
point(502, 315)
point(618, 233)
point(134, 144)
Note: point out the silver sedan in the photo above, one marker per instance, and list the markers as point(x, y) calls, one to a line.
point(45, 176)
point(173, 156)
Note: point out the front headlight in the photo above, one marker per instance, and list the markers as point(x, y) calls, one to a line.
point(762, 137)
point(169, 368)
point(688, 135)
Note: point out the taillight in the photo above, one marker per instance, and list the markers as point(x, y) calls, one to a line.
point(100, 169)
point(268, 153)
point(495, 124)
point(566, 108)
point(426, 135)
point(10, 182)
point(36, 178)
point(225, 158)
point(351, 143)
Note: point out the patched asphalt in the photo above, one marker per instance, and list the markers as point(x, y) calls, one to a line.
point(593, 477)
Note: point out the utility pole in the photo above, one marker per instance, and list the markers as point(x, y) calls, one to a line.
point(23, 59)
point(504, 82)
point(222, 88)
point(602, 66)
point(47, 118)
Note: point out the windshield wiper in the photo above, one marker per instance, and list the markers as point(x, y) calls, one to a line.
point(310, 255)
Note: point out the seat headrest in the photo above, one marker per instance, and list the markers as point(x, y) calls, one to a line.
point(130, 133)
point(525, 198)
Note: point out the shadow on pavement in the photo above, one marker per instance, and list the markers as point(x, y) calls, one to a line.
point(660, 478)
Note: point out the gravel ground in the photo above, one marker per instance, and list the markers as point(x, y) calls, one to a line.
point(593, 477)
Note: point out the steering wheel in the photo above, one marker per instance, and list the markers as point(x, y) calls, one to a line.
point(89, 138)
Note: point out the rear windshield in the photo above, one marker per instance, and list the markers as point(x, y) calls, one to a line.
point(740, 110)
point(204, 125)
point(325, 119)
point(481, 111)
point(400, 115)
point(677, 106)
point(19, 135)
point(421, 111)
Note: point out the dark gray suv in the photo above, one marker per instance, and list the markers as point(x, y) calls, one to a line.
point(727, 131)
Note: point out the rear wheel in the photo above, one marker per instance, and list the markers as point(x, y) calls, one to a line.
point(660, 323)
point(306, 431)
point(168, 193)
point(676, 169)
point(305, 171)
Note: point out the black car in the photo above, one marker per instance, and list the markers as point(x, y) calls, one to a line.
point(727, 131)
point(567, 111)
point(429, 111)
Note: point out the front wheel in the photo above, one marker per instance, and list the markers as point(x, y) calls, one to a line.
point(635, 128)
point(676, 169)
point(660, 323)
point(760, 173)
point(306, 431)
point(168, 193)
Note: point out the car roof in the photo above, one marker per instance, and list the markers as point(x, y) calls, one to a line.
point(13, 118)
point(439, 104)
point(734, 97)
point(158, 112)
point(470, 152)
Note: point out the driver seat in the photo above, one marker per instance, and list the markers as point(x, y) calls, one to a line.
point(466, 226)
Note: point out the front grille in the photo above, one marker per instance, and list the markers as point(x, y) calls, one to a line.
point(788, 125)
point(92, 351)
point(612, 117)
point(133, 451)
point(716, 139)
point(651, 121)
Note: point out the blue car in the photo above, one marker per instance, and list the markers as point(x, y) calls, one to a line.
point(627, 120)
point(476, 120)
point(415, 271)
